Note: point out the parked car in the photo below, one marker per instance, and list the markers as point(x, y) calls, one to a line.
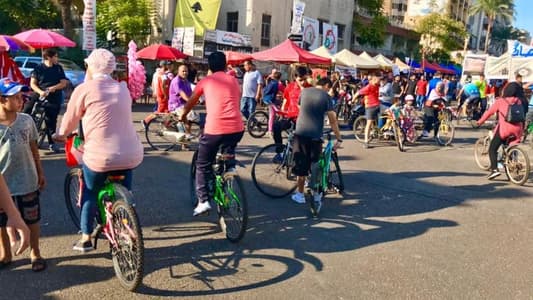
point(74, 73)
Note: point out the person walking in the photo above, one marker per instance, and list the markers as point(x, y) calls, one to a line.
point(252, 84)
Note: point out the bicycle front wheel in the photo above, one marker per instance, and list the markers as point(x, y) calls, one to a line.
point(399, 137)
point(192, 180)
point(359, 129)
point(335, 180)
point(158, 133)
point(233, 215)
point(128, 253)
point(72, 192)
point(517, 165)
point(445, 134)
point(271, 172)
point(481, 153)
point(257, 124)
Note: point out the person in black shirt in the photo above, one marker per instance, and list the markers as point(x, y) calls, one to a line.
point(411, 85)
point(47, 81)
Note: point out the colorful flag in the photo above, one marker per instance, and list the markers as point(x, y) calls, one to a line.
point(200, 14)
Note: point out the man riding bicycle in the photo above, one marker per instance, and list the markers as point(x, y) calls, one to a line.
point(469, 95)
point(223, 126)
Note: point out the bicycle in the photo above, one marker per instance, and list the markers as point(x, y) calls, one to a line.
point(446, 131)
point(257, 124)
point(514, 159)
point(116, 219)
point(229, 197)
point(38, 114)
point(322, 180)
point(164, 131)
point(380, 133)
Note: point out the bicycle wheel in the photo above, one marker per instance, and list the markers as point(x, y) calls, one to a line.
point(160, 135)
point(270, 175)
point(257, 124)
point(410, 135)
point(335, 180)
point(359, 128)
point(72, 191)
point(192, 180)
point(196, 131)
point(128, 253)
point(481, 152)
point(398, 136)
point(233, 216)
point(517, 165)
point(445, 134)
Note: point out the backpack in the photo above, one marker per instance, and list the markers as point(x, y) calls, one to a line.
point(515, 112)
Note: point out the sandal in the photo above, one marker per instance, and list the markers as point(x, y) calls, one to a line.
point(4, 264)
point(38, 264)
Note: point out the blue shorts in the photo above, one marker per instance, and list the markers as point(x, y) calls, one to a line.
point(371, 113)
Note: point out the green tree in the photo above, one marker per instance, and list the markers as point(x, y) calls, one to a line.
point(130, 18)
point(16, 16)
point(373, 33)
point(66, 17)
point(445, 33)
point(493, 8)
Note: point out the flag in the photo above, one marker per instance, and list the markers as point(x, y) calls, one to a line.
point(200, 14)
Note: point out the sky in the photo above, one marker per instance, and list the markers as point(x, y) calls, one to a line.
point(524, 8)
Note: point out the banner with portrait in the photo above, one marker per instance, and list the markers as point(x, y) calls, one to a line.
point(330, 37)
point(310, 34)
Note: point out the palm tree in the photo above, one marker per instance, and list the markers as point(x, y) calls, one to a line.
point(492, 9)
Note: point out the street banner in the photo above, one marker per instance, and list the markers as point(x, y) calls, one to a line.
point(497, 67)
point(228, 38)
point(517, 49)
point(200, 14)
point(310, 34)
point(297, 16)
point(329, 37)
point(89, 25)
point(346, 70)
point(522, 66)
point(474, 64)
point(183, 40)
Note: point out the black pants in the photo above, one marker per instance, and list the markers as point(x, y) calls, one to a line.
point(494, 145)
point(431, 120)
point(279, 126)
point(207, 153)
point(51, 112)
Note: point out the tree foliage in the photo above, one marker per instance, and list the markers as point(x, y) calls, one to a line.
point(372, 34)
point(130, 18)
point(448, 33)
point(492, 9)
point(17, 16)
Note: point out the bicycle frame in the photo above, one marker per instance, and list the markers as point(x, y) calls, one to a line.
point(219, 195)
point(323, 166)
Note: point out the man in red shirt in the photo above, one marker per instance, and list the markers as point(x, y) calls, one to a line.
point(371, 91)
point(421, 90)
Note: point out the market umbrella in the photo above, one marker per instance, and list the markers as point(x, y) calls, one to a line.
point(236, 58)
point(160, 52)
point(8, 43)
point(43, 38)
point(289, 52)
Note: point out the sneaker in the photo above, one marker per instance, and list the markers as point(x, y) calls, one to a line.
point(318, 206)
point(298, 198)
point(83, 246)
point(54, 148)
point(493, 174)
point(278, 158)
point(424, 134)
point(201, 208)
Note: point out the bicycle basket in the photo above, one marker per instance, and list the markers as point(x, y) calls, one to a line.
point(74, 151)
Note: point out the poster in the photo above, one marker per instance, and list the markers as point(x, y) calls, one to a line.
point(89, 25)
point(183, 40)
point(310, 34)
point(330, 37)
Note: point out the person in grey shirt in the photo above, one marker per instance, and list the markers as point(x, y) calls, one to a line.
point(252, 83)
point(315, 103)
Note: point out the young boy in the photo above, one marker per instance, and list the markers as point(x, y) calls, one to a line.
point(21, 166)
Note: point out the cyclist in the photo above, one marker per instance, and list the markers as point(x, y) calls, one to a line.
point(314, 104)
point(223, 127)
point(468, 95)
point(48, 80)
point(372, 103)
point(431, 109)
point(110, 141)
point(504, 130)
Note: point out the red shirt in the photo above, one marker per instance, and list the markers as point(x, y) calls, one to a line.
point(372, 93)
point(422, 86)
point(292, 96)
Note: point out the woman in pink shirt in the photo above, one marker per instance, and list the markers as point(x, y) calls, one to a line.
point(110, 141)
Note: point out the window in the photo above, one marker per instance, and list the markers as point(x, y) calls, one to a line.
point(340, 35)
point(265, 30)
point(233, 21)
point(320, 22)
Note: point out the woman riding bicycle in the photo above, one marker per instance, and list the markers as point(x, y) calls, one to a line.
point(504, 130)
point(110, 140)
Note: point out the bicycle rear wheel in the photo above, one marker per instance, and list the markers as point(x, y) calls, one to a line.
point(192, 180)
point(72, 192)
point(270, 175)
point(257, 124)
point(359, 128)
point(233, 215)
point(517, 165)
point(128, 254)
point(445, 134)
point(398, 136)
point(335, 180)
point(155, 135)
point(481, 152)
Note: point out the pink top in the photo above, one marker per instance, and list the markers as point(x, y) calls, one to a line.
point(506, 129)
point(111, 142)
point(222, 101)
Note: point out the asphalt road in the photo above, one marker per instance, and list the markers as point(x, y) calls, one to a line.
point(424, 224)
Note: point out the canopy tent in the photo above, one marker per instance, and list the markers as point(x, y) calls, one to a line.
point(383, 61)
point(369, 58)
point(348, 58)
point(324, 52)
point(236, 58)
point(456, 69)
point(436, 68)
point(401, 65)
point(289, 52)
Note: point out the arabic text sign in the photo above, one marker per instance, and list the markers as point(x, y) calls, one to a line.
point(183, 40)
point(517, 49)
point(89, 25)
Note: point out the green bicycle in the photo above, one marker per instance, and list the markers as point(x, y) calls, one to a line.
point(229, 197)
point(326, 176)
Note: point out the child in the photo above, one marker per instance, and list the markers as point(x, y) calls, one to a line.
point(408, 116)
point(395, 112)
point(21, 166)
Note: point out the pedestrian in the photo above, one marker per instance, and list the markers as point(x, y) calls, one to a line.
point(21, 167)
point(252, 84)
point(372, 104)
point(482, 87)
point(270, 93)
point(163, 85)
point(410, 87)
point(421, 89)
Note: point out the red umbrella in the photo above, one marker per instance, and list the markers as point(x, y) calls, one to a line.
point(160, 51)
point(8, 43)
point(236, 58)
point(42, 38)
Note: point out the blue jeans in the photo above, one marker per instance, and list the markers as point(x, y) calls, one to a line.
point(420, 101)
point(248, 106)
point(93, 182)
